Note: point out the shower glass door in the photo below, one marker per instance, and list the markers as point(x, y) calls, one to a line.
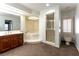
point(50, 30)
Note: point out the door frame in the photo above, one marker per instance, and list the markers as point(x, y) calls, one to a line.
point(57, 19)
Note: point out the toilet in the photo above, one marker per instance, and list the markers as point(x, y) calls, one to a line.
point(68, 38)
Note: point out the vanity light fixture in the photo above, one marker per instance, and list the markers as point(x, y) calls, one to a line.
point(33, 18)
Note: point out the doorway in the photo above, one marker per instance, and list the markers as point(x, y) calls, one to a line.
point(67, 30)
point(50, 28)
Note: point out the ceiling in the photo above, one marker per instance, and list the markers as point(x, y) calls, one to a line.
point(37, 7)
point(42, 6)
point(7, 14)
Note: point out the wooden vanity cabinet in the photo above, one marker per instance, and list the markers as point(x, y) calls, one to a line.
point(18, 40)
point(10, 41)
point(4, 43)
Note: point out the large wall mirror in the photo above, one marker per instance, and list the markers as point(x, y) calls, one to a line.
point(9, 22)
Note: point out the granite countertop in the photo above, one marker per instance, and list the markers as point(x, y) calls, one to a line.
point(3, 33)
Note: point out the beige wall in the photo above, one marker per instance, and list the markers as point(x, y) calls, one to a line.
point(32, 26)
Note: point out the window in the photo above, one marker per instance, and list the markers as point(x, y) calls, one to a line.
point(67, 25)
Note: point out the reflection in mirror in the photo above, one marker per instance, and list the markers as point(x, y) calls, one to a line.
point(9, 22)
point(8, 25)
point(50, 30)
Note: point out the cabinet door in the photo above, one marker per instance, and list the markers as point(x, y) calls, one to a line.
point(15, 42)
point(20, 39)
point(5, 44)
point(1, 44)
point(11, 41)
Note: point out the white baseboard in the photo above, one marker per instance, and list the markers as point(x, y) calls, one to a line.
point(77, 48)
point(50, 43)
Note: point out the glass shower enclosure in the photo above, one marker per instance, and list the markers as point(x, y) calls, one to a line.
point(50, 28)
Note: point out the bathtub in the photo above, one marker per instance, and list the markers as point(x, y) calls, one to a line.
point(32, 37)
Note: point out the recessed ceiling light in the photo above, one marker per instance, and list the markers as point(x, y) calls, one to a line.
point(47, 4)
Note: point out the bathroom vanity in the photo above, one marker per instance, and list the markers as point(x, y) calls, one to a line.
point(10, 39)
